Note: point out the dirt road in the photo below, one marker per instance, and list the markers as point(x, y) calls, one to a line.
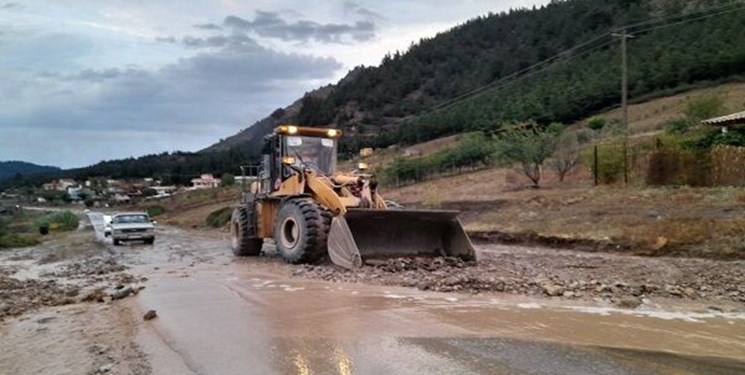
point(221, 315)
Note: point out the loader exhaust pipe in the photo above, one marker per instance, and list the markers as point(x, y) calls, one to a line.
point(365, 234)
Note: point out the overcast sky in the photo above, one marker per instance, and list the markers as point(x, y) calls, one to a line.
point(84, 81)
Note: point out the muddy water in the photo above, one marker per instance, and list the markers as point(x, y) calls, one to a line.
point(219, 315)
point(246, 315)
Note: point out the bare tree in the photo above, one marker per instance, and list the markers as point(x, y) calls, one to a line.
point(566, 157)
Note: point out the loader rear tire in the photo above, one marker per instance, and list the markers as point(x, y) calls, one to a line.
point(243, 233)
point(301, 230)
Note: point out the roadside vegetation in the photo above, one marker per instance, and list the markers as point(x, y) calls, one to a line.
point(58, 221)
point(21, 228)
point(155, 210)
point(14, 233)
point(219, 218)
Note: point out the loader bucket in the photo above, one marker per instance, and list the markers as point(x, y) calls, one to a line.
point(364, 234)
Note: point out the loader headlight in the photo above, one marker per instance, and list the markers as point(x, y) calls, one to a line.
point(288, 160)
point(362, 166)
point(287, 129)
point(332, 133)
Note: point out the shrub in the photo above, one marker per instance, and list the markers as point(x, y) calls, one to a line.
point(677, 126)
point(726, 167)
point(596, 123)
point(703, 107)
point(219, 218)
point(712, 138)
point(227, 180)
point(610, 161)
point(62, 220)
point(678, 167)
point(473, 150)
point(155, 210)
point(15, 240)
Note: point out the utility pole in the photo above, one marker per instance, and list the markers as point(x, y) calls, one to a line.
point(624, 98)
point(624, 81)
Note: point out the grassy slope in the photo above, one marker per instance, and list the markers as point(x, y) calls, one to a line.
point(649, 116)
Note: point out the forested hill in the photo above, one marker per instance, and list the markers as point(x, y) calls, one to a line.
point(10, 169)
point(662, 55)
point(675, 43)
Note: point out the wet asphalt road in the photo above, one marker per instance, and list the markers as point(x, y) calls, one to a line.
point(220, 315)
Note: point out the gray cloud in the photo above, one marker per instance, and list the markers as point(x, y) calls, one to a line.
point(208, 26)
point(271, 25)
point(350, 7)
point(235, 41)
point(167, 39)
point(190, 103)
point(209, 87)
point(10, 5)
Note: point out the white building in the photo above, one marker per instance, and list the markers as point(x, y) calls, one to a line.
point(163, 191)
point(205, 181)
point(59, 185)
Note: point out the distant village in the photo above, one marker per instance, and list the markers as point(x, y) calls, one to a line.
point(106, 192)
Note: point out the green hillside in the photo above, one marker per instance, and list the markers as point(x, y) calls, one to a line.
point(675, 43)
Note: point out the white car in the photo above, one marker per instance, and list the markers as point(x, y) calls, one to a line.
point(106, 225)
point(132, 226)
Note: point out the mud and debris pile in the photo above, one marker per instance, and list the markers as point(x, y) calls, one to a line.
point(95, 279)
point(624, 281)
point(92, 267)
point(18, 296)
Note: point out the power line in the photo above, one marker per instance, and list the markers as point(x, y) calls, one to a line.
point(543, 62)
point(687, 20)
point(505, 81)
point(681, 15)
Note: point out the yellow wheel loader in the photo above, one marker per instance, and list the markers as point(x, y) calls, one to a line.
point(310, 209)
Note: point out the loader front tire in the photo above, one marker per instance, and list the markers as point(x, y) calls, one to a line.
point(301, 230)
point(243, 233)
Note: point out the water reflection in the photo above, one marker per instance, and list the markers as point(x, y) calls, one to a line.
point(343, 361)
point(302, 365)
point(312, 356)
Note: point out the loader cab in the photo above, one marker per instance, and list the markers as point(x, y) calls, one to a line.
point(303, 147)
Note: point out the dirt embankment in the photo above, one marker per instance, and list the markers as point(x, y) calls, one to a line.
point(668, 221)
point(626, 281)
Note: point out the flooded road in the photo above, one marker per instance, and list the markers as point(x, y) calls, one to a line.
point(221, 315)
point(245, 317)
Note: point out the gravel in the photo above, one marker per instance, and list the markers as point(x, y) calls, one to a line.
point(622, 280)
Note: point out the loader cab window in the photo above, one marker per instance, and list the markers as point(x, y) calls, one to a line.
point(316, 152)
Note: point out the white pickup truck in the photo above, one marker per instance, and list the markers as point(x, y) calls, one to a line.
point(132, 226)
